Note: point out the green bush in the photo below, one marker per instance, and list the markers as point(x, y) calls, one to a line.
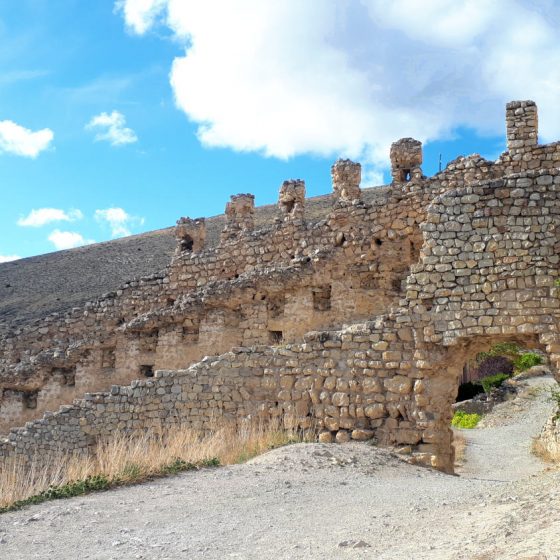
point(507, 349)
point(527, 360)
point(94, 483)
point(464, 420)
point(493, 381)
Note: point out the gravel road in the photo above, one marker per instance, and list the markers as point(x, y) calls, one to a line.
point(322, 501)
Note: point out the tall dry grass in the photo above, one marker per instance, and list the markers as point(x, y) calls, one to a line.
point(547, 454)
point(460, 447)
point(124, 459)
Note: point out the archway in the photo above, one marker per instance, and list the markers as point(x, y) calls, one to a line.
point(445, 379)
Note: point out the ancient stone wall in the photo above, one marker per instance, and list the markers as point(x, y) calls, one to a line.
point(547, 445)
point(483, 245)
point(265, 286)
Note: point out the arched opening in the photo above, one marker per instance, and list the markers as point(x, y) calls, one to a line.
point(455, 412)
point(186, 243)
point(288, 206)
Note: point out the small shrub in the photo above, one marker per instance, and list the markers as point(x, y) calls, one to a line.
point(527, 360)
point(130, 473)
point(507, 349)
point(492, 365)
point(493, 381)
point(95, 483)
point(464, 420)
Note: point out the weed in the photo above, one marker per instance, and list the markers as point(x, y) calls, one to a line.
point(128, 459)
point(493, 381)
point(526, 361)
point(76, 488)
point(464, 420)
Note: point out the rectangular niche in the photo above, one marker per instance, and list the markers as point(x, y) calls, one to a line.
point(369, 281)
point(275, 337)
point(147, 370)
point(29, 399)
point(275, 305)
point(191, 332)
point(65, 376)
point(148, 341)
point(322, 298)
point(108, 358)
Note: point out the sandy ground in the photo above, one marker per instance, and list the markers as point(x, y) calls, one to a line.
point(322, 501)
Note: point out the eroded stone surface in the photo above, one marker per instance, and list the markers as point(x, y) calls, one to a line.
point(356, 325)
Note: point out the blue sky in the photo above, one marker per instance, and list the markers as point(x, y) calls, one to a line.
point(119, 118)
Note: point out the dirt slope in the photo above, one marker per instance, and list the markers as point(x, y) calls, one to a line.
point(321, 501)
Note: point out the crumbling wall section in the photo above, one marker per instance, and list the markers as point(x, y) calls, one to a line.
point(486, 272)
point(266, 286)
point(485, 246)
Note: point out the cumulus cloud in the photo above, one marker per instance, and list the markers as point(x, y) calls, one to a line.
point(348, 78)
point(68, 239)
point(118, 220)
point(112, 128)
point(20, 141)
point(43, 216)
point(8, 258)
point(140, 15)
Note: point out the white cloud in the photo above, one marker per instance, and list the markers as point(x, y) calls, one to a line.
point(111, 127)
point(140, 15)
point(8, 258)
point(68, 239)
point(118, 220)
point(348, 78)
point(43, 216)
point(20, 141)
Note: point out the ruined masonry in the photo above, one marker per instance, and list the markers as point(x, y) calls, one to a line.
point(352, 314)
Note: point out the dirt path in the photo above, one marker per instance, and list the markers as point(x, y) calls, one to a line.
point(500, 449)
point(319, 501)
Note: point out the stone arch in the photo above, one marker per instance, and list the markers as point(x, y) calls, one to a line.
point(441, 383)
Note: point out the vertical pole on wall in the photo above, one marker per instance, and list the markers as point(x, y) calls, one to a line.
point(440, 162)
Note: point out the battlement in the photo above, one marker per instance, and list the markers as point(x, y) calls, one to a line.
point(406, 159)
point(411, 260)
point(190, 235)
point(291, 199)
point(346, 177)
point(521, 126)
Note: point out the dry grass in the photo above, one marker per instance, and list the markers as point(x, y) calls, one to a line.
point(460, 447)
point(541, 451)
point(124, 459)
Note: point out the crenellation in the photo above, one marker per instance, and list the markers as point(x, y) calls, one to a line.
point(356, 322)
point(521, 126)
point(239, 213)
point(406, 160)
point(346, 178)
point(291, 199)
point(190, 235)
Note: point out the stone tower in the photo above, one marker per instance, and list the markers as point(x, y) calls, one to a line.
point(406, 159)
point(346, 177)
point(522, 126)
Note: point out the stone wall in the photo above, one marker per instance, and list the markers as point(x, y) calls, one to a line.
point(448, 265)
point(547, 445)
point(261, 286)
